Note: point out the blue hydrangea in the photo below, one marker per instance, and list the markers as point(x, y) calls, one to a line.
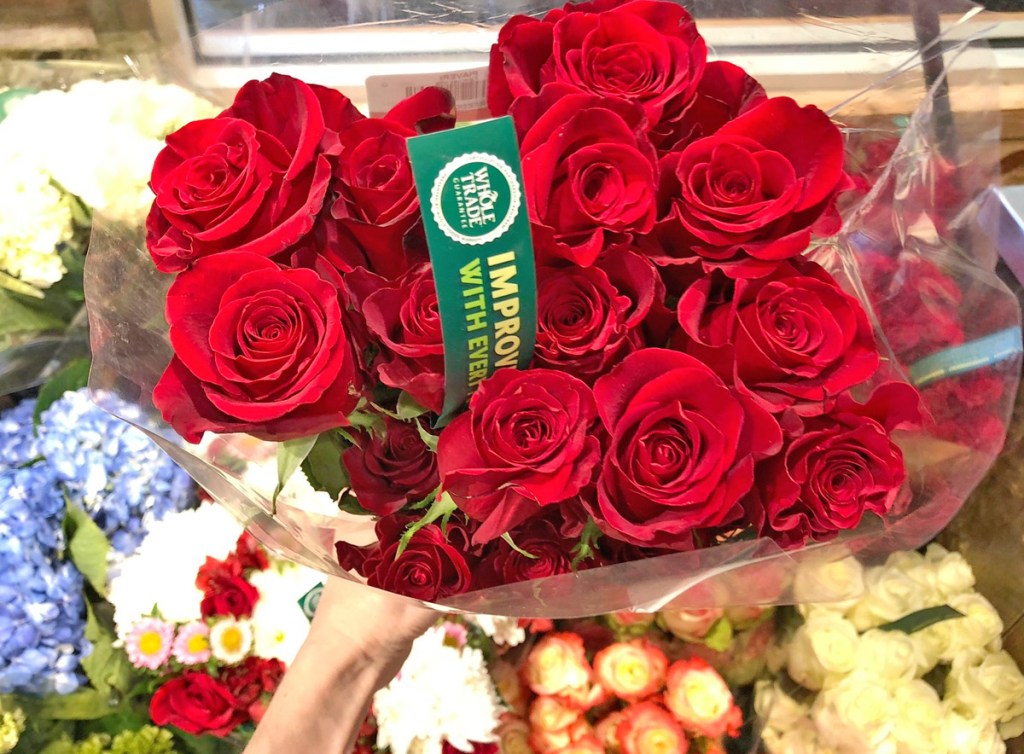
point(42, 610)
point(110, 469)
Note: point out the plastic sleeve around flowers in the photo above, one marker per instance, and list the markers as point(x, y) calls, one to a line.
point(915, 248)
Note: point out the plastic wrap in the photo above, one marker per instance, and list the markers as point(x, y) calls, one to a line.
point(914, 247)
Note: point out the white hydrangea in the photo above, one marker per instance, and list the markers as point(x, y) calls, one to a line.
point(162, 572)
point(502, 630)
point(296, 493)
point(442, 693)
point(278, 623)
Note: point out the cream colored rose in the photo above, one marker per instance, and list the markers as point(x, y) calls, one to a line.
point(992, 687)
point(892, 655)
point(977, 633)
point(932, 643)
point(890, 594)
point(856, 716)
point(557, 665)
point(917, 716)
point(799, 739)
point(823, 649)
point(690, 625)
point(839, 583)
point(777, 708)
point(951, 572)
point(977, 735)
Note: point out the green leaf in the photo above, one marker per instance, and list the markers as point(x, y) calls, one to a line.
point(202, 744)
point(88, 546)
point(84, 704)
point(508, 540)
point(19, 316)
point(323, 466)
point(408, 408)
point(922, 619)
point(106, 667)
point(719, 637)
point(72, 376)
point(290, 455)
point(430, 440)
point(442, 508)
point(19, 286)
point(587, 546)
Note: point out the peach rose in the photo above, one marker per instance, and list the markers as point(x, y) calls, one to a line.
point(701, 700)
point(586, 745)
point(690, 625)
point(545, 740)
point(510, 687)
point(648, 728)
point(557, 664)
point(606, 731)
point(513, 735)
point(632, 671)
point(551, 713)
point(585, 697)
point(628, 624)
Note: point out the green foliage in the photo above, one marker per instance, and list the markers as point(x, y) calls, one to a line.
point(72, 376)
point(323, 466)
point(290, 455)
point(88, 546)
point(922, 619)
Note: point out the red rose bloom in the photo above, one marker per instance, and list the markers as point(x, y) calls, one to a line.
point(836, 468)
point(526, 441)
point(643, 51)
point(725, 92)
point(793, 338)
point(250, 680)
point(250, 553)
point(258, 349)
point(391, 469)
point(589, 172)
point(430, 568)
point(588, 318)
point(682, 450)
point(551, 554)
point(198, 704)
point(403, 316)
point(252, 179)
point(752, 193)
point(225, 590)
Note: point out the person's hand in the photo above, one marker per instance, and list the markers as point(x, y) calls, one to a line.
point(357, 643)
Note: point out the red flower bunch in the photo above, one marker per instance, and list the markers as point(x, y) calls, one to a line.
point(224, 583)
point(695, 374)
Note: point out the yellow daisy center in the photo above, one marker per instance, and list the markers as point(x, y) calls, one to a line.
point(198, 643)
point(150, 643)
point(231, 639)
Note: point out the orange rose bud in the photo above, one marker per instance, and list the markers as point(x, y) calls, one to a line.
point(631, 671)
point(606, 731)
point(690, 625)
point(701, 700)
point(648, 728)
point(551, 713)
point(548, 741)
point(557, 664)
point(509, 686)
point(586, 697)
point(586, 745)
point(514, 736)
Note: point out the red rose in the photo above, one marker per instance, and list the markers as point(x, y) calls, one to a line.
point(549, 554)
point(725, 92)
point(836, 468)
point(250, 680)
point(682, 450)
point(252, 179)
point(752, 193)
point(643, 51)
point(433, 565)
point(391, 469)
point(198, 704)
point(225, 590)
point(250, 553)
point(258, 349)
point(403, 316)
point(589, 172)
point(526, 441)
point(793, 338)
point(588, 318)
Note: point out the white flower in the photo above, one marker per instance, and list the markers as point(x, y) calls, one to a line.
point(962, 734)
point(161, 574)
point(777, 708)
point(823, 649)
point(977, 633)
point(504, 631)
point(891, 594)
point(856, 716)
point(952, 573)
point(798, 739)
point(916, 716)
point(932, 643)
point(992, 687)
point(836, 583)
point(230, 640)
point(892, 655)
point(279, 625)
point(297, 491)
point(441, 694)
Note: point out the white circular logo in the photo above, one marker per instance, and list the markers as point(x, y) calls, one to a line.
point(475, 198)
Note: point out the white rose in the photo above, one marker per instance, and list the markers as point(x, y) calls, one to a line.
point(933, 643)
point(891, 594)
point(838, 583)
point(917, 712)
point(962, 734)
point(856, 716)
point(799, 739)
point(1012, 728)
point(823, 649)
point(951, 572)
point(992, 687)
point(891, 654)
point(777, 708)
point(977, 633)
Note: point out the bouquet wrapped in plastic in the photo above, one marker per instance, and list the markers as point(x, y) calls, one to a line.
point(655, 339)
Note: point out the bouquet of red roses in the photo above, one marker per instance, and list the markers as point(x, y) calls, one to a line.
point(680, 379)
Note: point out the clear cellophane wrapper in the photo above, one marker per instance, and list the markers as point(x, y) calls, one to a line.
point(915, 247)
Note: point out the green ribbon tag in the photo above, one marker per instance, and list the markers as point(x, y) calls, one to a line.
point(474, 211)
point(310, 600)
